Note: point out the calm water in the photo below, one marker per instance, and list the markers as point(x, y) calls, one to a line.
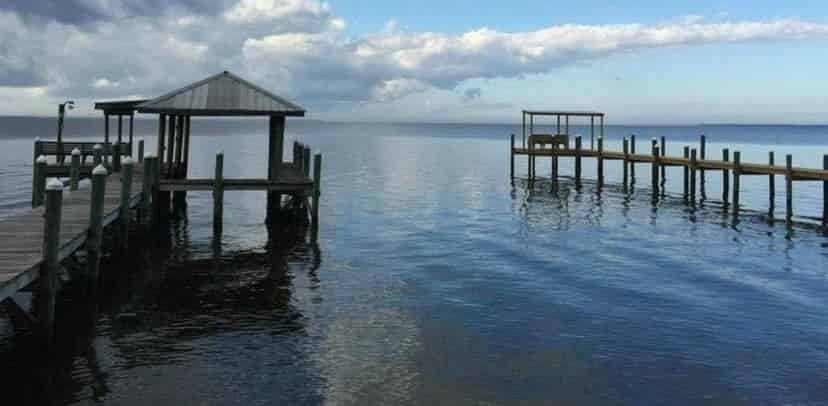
point(437, 281)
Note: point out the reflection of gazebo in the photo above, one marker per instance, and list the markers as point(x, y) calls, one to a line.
point(224, 95)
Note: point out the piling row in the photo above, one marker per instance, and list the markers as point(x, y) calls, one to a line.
point(694, 165)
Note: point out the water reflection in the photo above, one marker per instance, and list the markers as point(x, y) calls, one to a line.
point(161, 304)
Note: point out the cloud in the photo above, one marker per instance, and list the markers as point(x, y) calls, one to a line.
point(299, 48)
point(472, 94)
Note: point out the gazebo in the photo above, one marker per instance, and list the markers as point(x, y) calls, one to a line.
point(223, 95)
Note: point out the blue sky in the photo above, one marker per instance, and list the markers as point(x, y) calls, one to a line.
point(464, 61)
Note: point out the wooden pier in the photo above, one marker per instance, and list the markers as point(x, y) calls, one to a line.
point(694, 162)
point(128, 193)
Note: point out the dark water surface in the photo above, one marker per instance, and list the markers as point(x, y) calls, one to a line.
point(437, 281)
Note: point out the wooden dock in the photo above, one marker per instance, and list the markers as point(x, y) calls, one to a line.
point(694, 161)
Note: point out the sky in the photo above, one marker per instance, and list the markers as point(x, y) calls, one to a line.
point(650, 62)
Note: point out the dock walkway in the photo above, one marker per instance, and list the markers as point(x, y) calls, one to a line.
point(22, 251)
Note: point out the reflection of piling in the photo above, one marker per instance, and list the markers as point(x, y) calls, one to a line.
point(317, 179)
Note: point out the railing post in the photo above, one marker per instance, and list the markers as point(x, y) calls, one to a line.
point(126, 198)
point(218, 193)
point(789, 188)
point(737, 173)
point(317, 179)
point(48, 284)
point(74, 169)
point(632, 161)
point(140, 151)
point(686, 171)
point(37, 147)
point(96, 213)
point(41, 172)
point(116, 157)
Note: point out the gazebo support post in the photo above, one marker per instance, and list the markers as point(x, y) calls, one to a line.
point(274, 162)
point(170, 146)
point(179, 197)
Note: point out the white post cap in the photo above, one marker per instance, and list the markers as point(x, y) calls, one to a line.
point(97, 146)
point(127, 161)
point(100, 170)
point(76, 152)
point(37, 139)
point(54, 185)
point(149, 156)
point(41, 159)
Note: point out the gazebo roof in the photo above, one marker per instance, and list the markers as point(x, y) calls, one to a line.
point(119, 107)
point(224, 94)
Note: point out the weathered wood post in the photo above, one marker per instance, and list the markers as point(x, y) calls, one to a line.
point(37, 149)
point(306, 161)
point(578, 153)
point(737, 173)
point(96, 214)
point(146, 188)
point(632, 161)
point(218, 193)
point(725, 177)
point(126, 196)
point(789, 188)
point(48, 284)
point(771, 184)
point(625, 170)
point(97, 155)
point(74, 169)
point(825, 193)
point(512, 158)
point(41, 172)
point(655, 169)
point(693, 167)
point(155, 191)
point(116, 157)
point(702, 156)
point(686, 170)
point(663, 150)
point(140, 151)
point(600, 161)
point(317, 179)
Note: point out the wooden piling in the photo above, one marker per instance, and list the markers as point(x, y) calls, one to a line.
point(789, 188)
point(170, 147)
point(725, 178)
point(578, 152)
point(218, 193)
point(737, 173)
point(632, 163)
point(693, 168)
point(74, 169)
point(95, 236)
point(663, 150)
point(306, 161)
point(41, 169)
point(146, 188)
point(600, 160)
point(686, 170)
point(512, 158)
point(825, 193)
point(140, 151)
point(97, 155)
point(702, 156)
point(655, 170)
point(317, 179)
point(48, 284)
point(116, 157)
point(771, 185)
point(625, 162)
point(35, 175)
point(126, 194)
